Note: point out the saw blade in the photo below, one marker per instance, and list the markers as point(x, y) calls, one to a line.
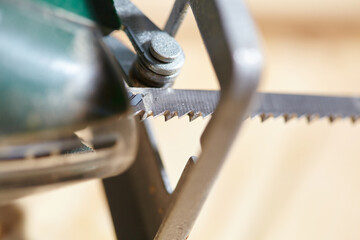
point(195, 103)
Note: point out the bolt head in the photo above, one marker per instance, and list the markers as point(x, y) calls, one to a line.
point(164, 47)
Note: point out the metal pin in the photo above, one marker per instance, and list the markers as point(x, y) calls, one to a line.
point(164, 47)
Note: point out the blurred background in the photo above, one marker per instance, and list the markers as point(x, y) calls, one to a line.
point(280, 181)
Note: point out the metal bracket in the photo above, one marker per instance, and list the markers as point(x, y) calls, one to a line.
point(231, 41)
point(160, 57)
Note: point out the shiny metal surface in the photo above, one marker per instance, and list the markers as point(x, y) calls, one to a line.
point(164, 48)
point(141, 31)
point(195, 103)
point(176, 17)
point(173, 102)
point(311, 107)
point(231, 41)
point(138, 199)
point(124, 56)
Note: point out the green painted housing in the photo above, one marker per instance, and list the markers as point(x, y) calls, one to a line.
point(100, 11)
point(54, 73)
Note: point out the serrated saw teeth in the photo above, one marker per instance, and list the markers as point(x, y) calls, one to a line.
point(263, 116)
point(354, 118)
point(194, 115)
point(169, 115)
point(312, 117)
point(142, 114)
point(195, 103)
point(333, 118)
point(288, 117)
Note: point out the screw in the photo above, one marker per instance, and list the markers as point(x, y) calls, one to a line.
point(164, 47)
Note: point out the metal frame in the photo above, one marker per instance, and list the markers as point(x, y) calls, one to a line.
point(141, 203)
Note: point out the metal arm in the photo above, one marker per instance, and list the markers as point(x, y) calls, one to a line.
point(231, 41)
